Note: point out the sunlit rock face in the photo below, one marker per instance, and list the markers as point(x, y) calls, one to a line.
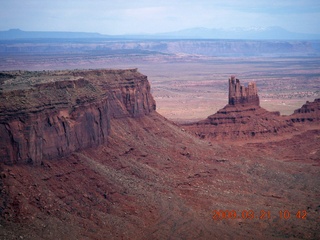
point(239, 94)
point(47, 115)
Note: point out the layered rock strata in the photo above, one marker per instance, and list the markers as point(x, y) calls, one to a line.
point(239, 94)
point(128, 91)
point(46, 115)
point(241, 118)
point(309, 112)
point(233, 122)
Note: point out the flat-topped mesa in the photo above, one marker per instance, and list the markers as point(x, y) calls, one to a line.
point(239, 94)
point(50, 114)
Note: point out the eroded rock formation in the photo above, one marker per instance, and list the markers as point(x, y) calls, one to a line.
point(309, 112)
point(240, 123)
point(128, 91)
point(239, 94)
point(46, 115)
point(243, 117)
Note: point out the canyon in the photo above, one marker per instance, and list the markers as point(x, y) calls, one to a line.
point(85, 155)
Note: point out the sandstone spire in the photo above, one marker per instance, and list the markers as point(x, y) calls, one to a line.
point(239, 94)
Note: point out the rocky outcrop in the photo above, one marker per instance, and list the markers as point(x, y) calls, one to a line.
point(128, 91)
point(239, 94)
point(46, 115)
point(241, 118)
point(309, 112)
point(243, 122)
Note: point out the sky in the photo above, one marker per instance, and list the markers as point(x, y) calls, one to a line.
point(157, 16)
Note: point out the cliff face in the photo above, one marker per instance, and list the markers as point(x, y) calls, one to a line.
point(128, 91)
point(46, 115)
point(239, 94)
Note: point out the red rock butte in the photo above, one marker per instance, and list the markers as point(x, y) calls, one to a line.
point(239, 94)
point(243, 118)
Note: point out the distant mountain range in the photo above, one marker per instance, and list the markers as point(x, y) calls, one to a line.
point(19, 34)
point(254, 33)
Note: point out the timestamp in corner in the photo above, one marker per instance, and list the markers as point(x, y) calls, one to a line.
point(260, 214)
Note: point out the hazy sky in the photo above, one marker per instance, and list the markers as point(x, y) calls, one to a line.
point(154, 16)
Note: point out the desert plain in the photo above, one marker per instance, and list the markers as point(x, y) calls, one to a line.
point(186, 86)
